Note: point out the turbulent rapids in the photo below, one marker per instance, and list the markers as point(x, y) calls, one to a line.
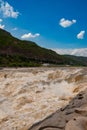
point(28, 95)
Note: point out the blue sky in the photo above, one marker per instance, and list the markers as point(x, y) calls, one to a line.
point(50, 23)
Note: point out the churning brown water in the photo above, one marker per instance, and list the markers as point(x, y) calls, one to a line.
point(29, 95)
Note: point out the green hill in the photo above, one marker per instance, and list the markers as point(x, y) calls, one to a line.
point(15, 52)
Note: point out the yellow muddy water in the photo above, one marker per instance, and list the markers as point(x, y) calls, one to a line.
point(28, 95)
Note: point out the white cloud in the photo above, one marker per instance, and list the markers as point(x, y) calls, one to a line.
point(1, 20)
point(66, 23)
point(63, 51)
point(2, 26)
point(30, 35)
point(81, 35)
point(8, 10)
point(76, 52)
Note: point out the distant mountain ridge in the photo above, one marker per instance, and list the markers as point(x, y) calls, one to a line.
point(15, 52)
point(75, 52)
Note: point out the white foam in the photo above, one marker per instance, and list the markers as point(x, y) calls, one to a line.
point(36, 93)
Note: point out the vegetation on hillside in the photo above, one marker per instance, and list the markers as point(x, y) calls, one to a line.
point(15, 52)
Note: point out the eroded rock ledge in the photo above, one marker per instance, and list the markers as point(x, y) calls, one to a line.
point(71, 117)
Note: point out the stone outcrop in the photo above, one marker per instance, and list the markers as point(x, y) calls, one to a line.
point(71, 117)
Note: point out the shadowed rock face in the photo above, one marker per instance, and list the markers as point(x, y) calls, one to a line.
point(71, 117)
point(29, 95)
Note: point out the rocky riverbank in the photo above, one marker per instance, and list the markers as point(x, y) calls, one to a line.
point(71, 117)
